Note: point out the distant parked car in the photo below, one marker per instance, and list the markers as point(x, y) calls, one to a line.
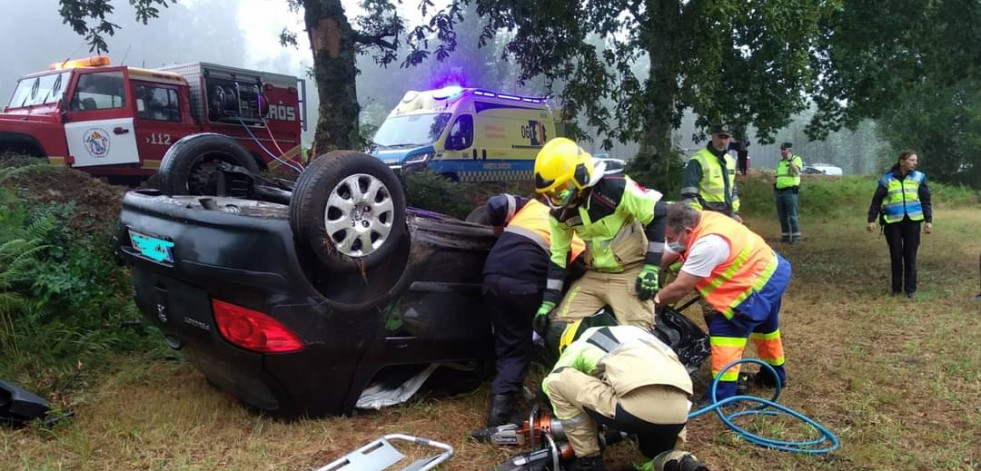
point(821, 169)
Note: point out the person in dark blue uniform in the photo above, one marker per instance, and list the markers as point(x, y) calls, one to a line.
point(514, 281)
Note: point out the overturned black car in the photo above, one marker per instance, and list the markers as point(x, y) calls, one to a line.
point(296, 297)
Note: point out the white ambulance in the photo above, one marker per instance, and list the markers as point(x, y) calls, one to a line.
point(465, 134)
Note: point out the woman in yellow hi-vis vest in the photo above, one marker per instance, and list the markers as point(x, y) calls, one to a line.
point(904, 201)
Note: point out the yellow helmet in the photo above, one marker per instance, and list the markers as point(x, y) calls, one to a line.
point(562, 168)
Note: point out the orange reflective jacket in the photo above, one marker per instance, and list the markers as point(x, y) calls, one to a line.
point(532, 222)
point(750, 264)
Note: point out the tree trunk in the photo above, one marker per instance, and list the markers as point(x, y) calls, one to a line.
point(661, 92)
point(332, 41)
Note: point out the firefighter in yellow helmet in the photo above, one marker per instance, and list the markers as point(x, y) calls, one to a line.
point(627, 379)
point(622, 224)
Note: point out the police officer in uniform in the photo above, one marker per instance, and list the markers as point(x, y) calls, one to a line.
point(514, 280)
point(786, 188)
point(709, 181)
point(627, 379)
point(904, 200)
point(622, 224)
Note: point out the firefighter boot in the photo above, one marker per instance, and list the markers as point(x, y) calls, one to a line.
point(673, 460)
point(501, 409)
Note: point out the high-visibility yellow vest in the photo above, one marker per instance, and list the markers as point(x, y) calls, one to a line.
point(902, 197)
point(750, 265)
point(784, 179)
point(712, 186)
point(532, 222)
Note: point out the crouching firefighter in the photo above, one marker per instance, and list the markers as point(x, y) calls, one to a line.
point(622, 224)
point(625, 378)
point(514, 280)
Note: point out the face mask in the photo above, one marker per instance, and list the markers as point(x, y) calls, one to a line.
point(676, 247)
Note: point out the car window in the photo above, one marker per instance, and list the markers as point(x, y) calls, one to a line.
point(157, 103)
point(99, 91)
point(461, 134)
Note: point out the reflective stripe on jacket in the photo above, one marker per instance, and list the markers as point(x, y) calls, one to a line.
point(716, 181)
point(626, 357)
point(785, 179)
point(902, 197)
point(615, 240)
point(750, 264)
point(532, 222)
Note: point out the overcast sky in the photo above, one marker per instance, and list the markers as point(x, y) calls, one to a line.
point(243, 33)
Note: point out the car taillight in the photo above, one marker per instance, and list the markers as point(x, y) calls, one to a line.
point(253, 330)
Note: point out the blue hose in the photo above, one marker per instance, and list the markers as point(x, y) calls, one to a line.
point(806, 446)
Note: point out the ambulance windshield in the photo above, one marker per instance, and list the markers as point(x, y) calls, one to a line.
point(411, 130)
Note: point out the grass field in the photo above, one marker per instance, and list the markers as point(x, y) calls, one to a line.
point(898, 380)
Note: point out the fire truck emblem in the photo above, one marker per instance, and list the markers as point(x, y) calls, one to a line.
point(96, 142)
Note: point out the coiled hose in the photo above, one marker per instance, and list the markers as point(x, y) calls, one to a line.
point(826, 443)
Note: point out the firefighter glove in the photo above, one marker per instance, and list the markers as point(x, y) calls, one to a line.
point(540, 322)
point(648, 282)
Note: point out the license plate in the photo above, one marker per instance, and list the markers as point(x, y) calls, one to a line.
point(154, 248)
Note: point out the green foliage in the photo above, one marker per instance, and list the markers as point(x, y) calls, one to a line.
point(878, 52)
point(80, 13)
point(62, 300)
point(663, 175)
point(941, 124)
point(745, 62)
point(427, 190)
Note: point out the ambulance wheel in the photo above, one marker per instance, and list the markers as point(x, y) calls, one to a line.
point(190, 166)
point(349, 209)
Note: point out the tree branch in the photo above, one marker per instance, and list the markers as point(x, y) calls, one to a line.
point(376, 39)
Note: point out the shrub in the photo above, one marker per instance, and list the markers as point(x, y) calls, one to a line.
point(62, 299)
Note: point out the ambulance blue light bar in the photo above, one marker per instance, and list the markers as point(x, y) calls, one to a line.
point(509, 97)
point(451, 91)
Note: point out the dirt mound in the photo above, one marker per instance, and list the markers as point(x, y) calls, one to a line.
point(97, 203)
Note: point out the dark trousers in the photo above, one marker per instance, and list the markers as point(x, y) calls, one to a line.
point(512, 305)
point(904, 240)
point(787, 213)
point(652, 439)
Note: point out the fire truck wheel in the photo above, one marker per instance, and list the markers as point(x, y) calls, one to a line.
point(190, 166)
point(349, 209)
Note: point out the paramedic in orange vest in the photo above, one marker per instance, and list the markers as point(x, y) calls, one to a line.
point(740, 277)
point(514, 281)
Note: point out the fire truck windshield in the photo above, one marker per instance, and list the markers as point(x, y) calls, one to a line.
point(39, 90)
point(411, 130)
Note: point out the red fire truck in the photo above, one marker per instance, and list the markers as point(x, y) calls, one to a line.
point(118, 121)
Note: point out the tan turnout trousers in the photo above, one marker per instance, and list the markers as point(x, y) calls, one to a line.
point(571, 391)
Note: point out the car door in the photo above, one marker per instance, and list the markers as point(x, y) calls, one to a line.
point(159, 120)
point(99, 120)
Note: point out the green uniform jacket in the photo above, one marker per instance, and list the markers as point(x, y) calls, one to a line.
point(709, 182)
point(613, 204)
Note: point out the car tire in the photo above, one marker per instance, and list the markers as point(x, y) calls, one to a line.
point(188, 167)
point(330, 198)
